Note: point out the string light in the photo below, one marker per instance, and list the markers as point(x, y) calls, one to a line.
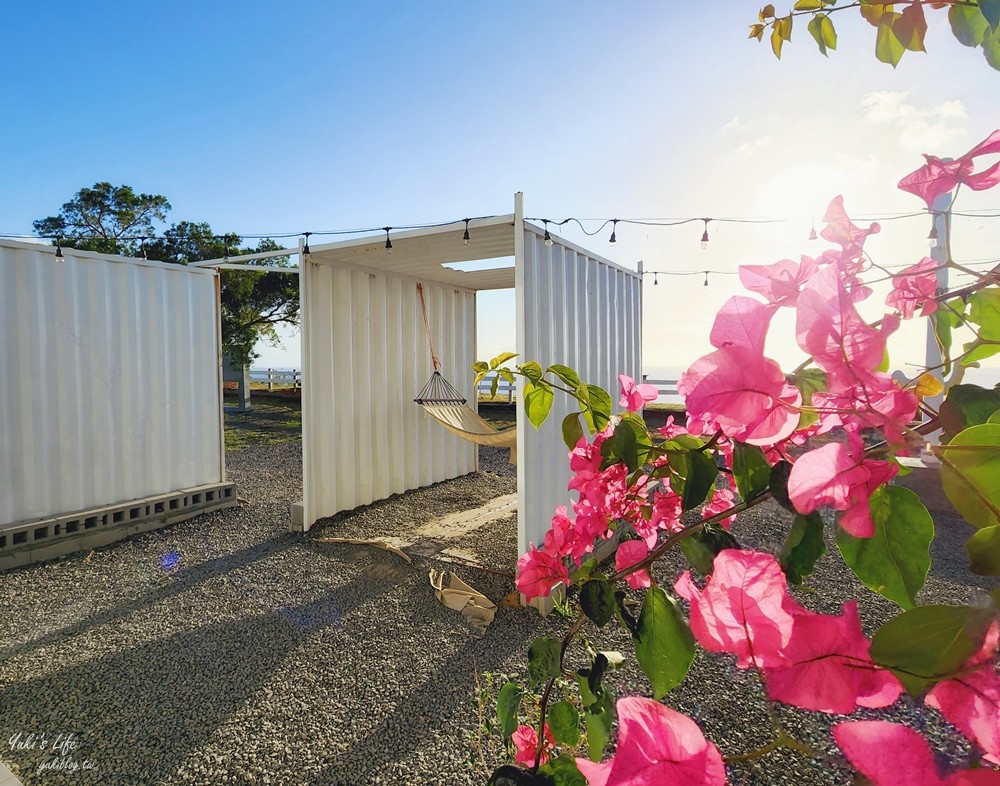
point(465, 237)
point(305, 248)
point(932, 236)
point(59, 253)
point(388, 243)
point(142, 248)
point(655, 282)
point(602, 223)
point(706, 278)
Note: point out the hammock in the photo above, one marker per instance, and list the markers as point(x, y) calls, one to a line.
point(449, 407)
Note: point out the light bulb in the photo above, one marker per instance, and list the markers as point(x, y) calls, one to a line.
point(812, 233)
point(706, 279)
point(305, 248)
point(547, 237)
point(932, 237)
point(388, 243)
point(614, 228)
point(655, 282)
point(465, 237)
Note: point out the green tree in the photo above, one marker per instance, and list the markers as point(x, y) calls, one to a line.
point(253, 304)
point(115, 220)
point(106, 218)
point(974, 23)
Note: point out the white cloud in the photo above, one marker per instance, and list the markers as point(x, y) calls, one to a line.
point(753, 145)
point(732, 125)
point(923, 130)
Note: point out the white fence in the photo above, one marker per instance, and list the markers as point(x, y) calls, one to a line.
point(667, 388)
point(287, 377)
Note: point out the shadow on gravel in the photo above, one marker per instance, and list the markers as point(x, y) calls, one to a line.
point(425, 705)
point(175, 583)
point(124, 707)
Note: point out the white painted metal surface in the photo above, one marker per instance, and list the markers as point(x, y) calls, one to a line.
point(365, 358)
point(110, 380)
point(581, 311)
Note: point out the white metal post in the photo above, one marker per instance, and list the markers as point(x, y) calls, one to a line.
point(939, 253)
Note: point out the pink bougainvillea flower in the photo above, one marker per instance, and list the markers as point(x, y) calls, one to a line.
point(889, 754)
point(742, 322)
point(744, 609)
point(538, 572)
point(629, 553)
point(841, 230)
point(742, 391)
point(913, 288)
point(585, 461)
point(829, 328)
point(778, 283)
point(559, 538)
point(971, 702)
point(827, 666)
point(722, 500)
point(525, 741)
point(840, 476)
point(656, 746)
point(875, 400)
point(938, 177)
point(634, 396)
point(666, 514)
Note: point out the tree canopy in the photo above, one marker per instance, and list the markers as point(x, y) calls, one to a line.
point(116, 220)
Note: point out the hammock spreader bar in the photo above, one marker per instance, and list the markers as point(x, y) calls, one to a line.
point(439, 390)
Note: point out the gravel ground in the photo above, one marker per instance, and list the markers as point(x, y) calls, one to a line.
point(227, 650)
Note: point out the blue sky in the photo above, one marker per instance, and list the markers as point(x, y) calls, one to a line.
point(269, 117)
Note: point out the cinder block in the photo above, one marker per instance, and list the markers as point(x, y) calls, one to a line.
point(297, 523)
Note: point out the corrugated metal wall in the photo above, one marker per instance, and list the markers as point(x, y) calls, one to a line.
point(582, 312)
point(365, 358)
point(109, 381)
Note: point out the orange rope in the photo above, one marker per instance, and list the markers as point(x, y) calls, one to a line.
point(427, 328)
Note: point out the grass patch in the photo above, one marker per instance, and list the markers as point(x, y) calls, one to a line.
point(269, 421)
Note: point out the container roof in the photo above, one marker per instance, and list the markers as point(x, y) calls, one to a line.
point(423, 253)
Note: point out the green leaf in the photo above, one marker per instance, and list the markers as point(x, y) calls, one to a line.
point(481, 367)
point(564, 723)
point(984, 552)
point(538, 404)
point(911, 27)
point(821, 29)
point(967, 405)
point(777, 39)
point(566, 374)
point(532, 370)
point(990, 9)
point(873, 12)
point(600, 406)
point(968, 24)
point(970, 474)
point(599, 718)
point(779, 485)
point(994, 418)
point(544, 659)
point(756, 31)
point(572, 429)
point(597, 599)
point(508, 707)
point(929, 643)
point(751, 470)
point(895, 560)
point(502, 358)
point(766, 12)
point(664, 645)
point(991, 49)
point(562, 771)
point(808, 5)
point(701, 548)
point(803, 547)
point(494, 385)
point(888, 49)
point(809, 381)
point(975, 351)
point(700, 479)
